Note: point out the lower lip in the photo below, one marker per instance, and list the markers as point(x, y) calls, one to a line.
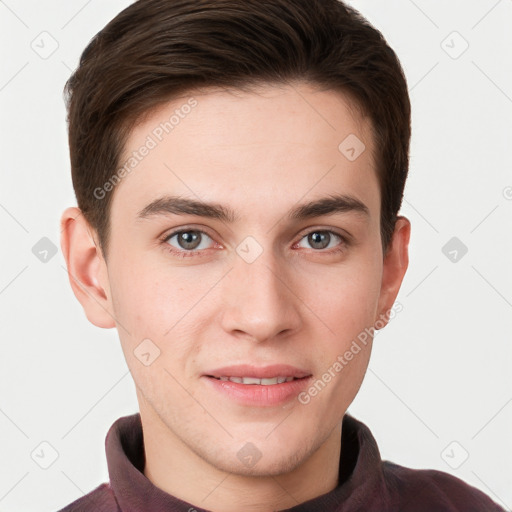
point(258, 395)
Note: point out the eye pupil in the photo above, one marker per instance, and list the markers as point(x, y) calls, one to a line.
point(188, 239)
point(320, 237)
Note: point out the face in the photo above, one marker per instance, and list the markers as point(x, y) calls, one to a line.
point(259, 284)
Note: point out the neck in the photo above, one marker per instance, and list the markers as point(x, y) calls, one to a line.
point(173, 467)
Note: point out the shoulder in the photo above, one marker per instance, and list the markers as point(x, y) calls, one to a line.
point(421, 489)
point(100, 499)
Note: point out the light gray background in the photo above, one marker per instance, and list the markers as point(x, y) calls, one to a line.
point(439, 385)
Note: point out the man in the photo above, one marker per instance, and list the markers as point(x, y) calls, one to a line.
point(239, 168)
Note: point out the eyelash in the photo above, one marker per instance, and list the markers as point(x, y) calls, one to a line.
point(197, 252)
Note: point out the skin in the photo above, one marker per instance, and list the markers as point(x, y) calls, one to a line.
point(261, 153)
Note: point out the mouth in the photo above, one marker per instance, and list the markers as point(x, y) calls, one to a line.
point(258, 386)
point(251, 381)
point(262, 375)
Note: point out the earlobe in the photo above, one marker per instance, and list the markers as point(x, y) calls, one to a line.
point(86, 268)
point(395, 265)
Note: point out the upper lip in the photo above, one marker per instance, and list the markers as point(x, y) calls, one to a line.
point(261, 372)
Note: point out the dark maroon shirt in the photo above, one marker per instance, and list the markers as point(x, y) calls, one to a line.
point(366, 483)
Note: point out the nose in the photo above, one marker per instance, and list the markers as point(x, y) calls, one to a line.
point(260, 299)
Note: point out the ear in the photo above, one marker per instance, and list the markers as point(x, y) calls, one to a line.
point(86, 267)
point(396, 261)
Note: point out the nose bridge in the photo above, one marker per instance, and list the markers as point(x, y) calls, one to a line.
point(259, 298)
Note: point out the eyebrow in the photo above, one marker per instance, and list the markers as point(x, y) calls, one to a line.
point(176, 205)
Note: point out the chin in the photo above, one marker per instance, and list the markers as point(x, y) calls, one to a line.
point(278, 464)
point(262, 458)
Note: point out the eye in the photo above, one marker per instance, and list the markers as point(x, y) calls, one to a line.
point(193, 242)
point(188, 241)
point(322, 239)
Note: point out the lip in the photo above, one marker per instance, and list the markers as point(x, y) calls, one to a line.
point(262, 372)
point(257, 395)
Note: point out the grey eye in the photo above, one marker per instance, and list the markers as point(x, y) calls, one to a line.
point(189, 240)
point(321, 239)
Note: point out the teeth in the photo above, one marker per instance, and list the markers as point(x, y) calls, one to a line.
point(262, 382)
point(252, 380)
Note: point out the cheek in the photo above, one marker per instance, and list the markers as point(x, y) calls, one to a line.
point(137, 300)
point(161, 304)
point(345, 298)
point(149, 298)
point(349, 309)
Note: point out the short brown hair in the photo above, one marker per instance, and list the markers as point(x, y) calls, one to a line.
point(155, 50)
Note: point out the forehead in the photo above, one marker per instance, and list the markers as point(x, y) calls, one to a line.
point(268, 146)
